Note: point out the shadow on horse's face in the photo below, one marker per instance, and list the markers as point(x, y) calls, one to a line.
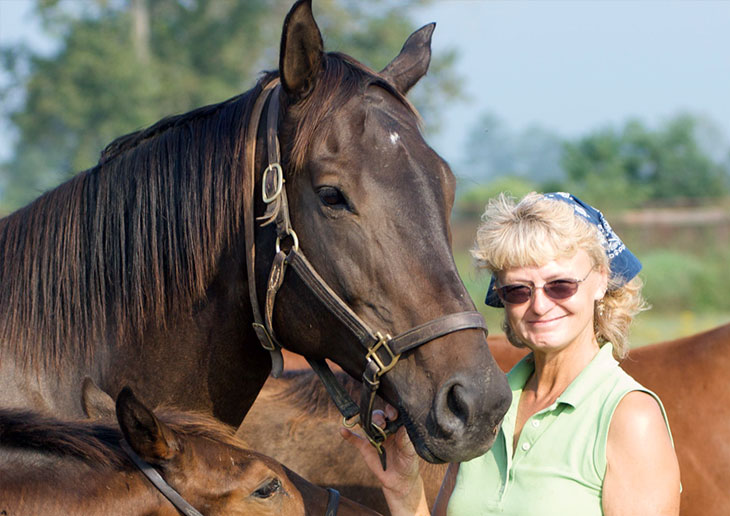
point(370, 201)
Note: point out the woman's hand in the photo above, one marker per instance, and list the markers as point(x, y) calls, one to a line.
point(402, 484)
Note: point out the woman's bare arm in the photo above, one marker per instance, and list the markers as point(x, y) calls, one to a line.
point(642, 475)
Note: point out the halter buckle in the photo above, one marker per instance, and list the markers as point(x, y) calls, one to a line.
point(372, 355)
point(278, 183)
point(266, 341)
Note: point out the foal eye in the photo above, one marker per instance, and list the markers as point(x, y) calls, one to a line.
point(332, 197)
point(268, 489)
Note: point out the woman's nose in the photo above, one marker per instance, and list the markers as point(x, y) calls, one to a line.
point(540, 303)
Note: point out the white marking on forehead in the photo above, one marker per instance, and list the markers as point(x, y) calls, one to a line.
point(394, 137)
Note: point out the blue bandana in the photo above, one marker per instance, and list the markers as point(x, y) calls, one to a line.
point(624, 265)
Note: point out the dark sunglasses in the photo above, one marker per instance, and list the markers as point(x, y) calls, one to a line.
point(518, 293)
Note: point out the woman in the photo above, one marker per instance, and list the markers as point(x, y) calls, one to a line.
point(581, 436)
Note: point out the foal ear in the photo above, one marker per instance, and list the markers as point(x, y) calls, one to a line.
point(412, 63)
point(96, 403)
point(149, 438)
point(300, 57)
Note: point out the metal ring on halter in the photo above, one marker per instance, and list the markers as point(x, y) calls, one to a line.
point(352, 422)
point(295, 243)
point(279, 182)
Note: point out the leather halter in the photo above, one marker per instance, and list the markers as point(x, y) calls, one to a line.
point(182, 505)
point(163, 487)
point(381, 350)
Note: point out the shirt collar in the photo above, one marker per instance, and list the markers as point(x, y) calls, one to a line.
point(581, 387)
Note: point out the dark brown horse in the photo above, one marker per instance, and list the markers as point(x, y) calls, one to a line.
point(135, 271)
point(51, 466)
point(688, 374)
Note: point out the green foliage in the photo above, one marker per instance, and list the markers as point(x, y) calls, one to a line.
point(626, 168)
point(122, 65)
point(683, 281)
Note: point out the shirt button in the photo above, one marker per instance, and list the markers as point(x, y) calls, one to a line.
point(525, 446)
point(535, 423)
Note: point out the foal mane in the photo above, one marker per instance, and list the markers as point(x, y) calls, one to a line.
point(305, 391)
point(119, 247)
point(97, 443)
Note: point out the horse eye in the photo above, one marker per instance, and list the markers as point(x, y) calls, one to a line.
point(332, 197)
point(268, 489)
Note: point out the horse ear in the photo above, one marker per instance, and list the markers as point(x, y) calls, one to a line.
point(148, 437)
point(300, 57)
point(412, 63)
point(96, 403)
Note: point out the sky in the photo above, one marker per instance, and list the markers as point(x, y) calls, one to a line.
point(567, 66)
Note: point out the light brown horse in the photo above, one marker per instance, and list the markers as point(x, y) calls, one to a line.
point(688, 374)
point(49, 466)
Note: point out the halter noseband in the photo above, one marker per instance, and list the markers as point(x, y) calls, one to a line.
point(382, 350)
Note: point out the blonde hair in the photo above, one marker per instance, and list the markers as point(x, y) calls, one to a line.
point(537, 230)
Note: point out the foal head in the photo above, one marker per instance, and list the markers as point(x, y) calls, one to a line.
point(206, 464)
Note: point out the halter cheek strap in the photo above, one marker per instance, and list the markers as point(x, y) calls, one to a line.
point(163, 487)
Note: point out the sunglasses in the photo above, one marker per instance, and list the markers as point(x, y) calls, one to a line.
point(518, 293)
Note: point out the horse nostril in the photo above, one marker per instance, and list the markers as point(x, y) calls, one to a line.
point(453, 408)
point(456, 400)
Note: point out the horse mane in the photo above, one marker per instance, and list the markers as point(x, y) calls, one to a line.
point(97, 443)
point(305, 391)
point(119, 247)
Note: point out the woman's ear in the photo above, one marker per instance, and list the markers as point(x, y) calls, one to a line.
point(603, 284)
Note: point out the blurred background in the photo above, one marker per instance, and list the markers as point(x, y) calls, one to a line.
point(624, 104)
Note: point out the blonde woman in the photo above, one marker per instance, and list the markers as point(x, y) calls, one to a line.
point(581, 436)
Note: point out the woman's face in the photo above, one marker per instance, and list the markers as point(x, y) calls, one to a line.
point(547, 324)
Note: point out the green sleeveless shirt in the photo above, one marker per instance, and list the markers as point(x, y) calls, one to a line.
point(560, 461)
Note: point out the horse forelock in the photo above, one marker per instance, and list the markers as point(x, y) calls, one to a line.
point(342, 77)
point(120, 246)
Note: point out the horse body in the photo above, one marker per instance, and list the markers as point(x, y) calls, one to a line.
point(688, 374)
point(135, 271)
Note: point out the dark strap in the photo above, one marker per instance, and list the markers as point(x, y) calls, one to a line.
point(437, 328)
point(329, 298)
point(333, 502)
point(341, 398)
point(163, 487)
point(265, 337)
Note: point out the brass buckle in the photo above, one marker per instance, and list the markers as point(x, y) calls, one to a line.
point(372, 355)
point(349, 423)
point(261, 329)
point(380, 434)
point(275, 167)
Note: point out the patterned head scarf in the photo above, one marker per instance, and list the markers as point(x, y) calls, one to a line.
point(624, 265)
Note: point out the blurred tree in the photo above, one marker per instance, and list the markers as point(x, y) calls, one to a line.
point(124, 64)
point(628, 167)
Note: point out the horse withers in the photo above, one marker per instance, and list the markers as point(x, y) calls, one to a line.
point(91, 467)
point(139, 271)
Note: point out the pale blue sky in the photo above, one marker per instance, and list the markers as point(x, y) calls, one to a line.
point(568, 66)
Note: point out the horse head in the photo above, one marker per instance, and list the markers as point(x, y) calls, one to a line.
point(370, 202)
point(213, 475)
